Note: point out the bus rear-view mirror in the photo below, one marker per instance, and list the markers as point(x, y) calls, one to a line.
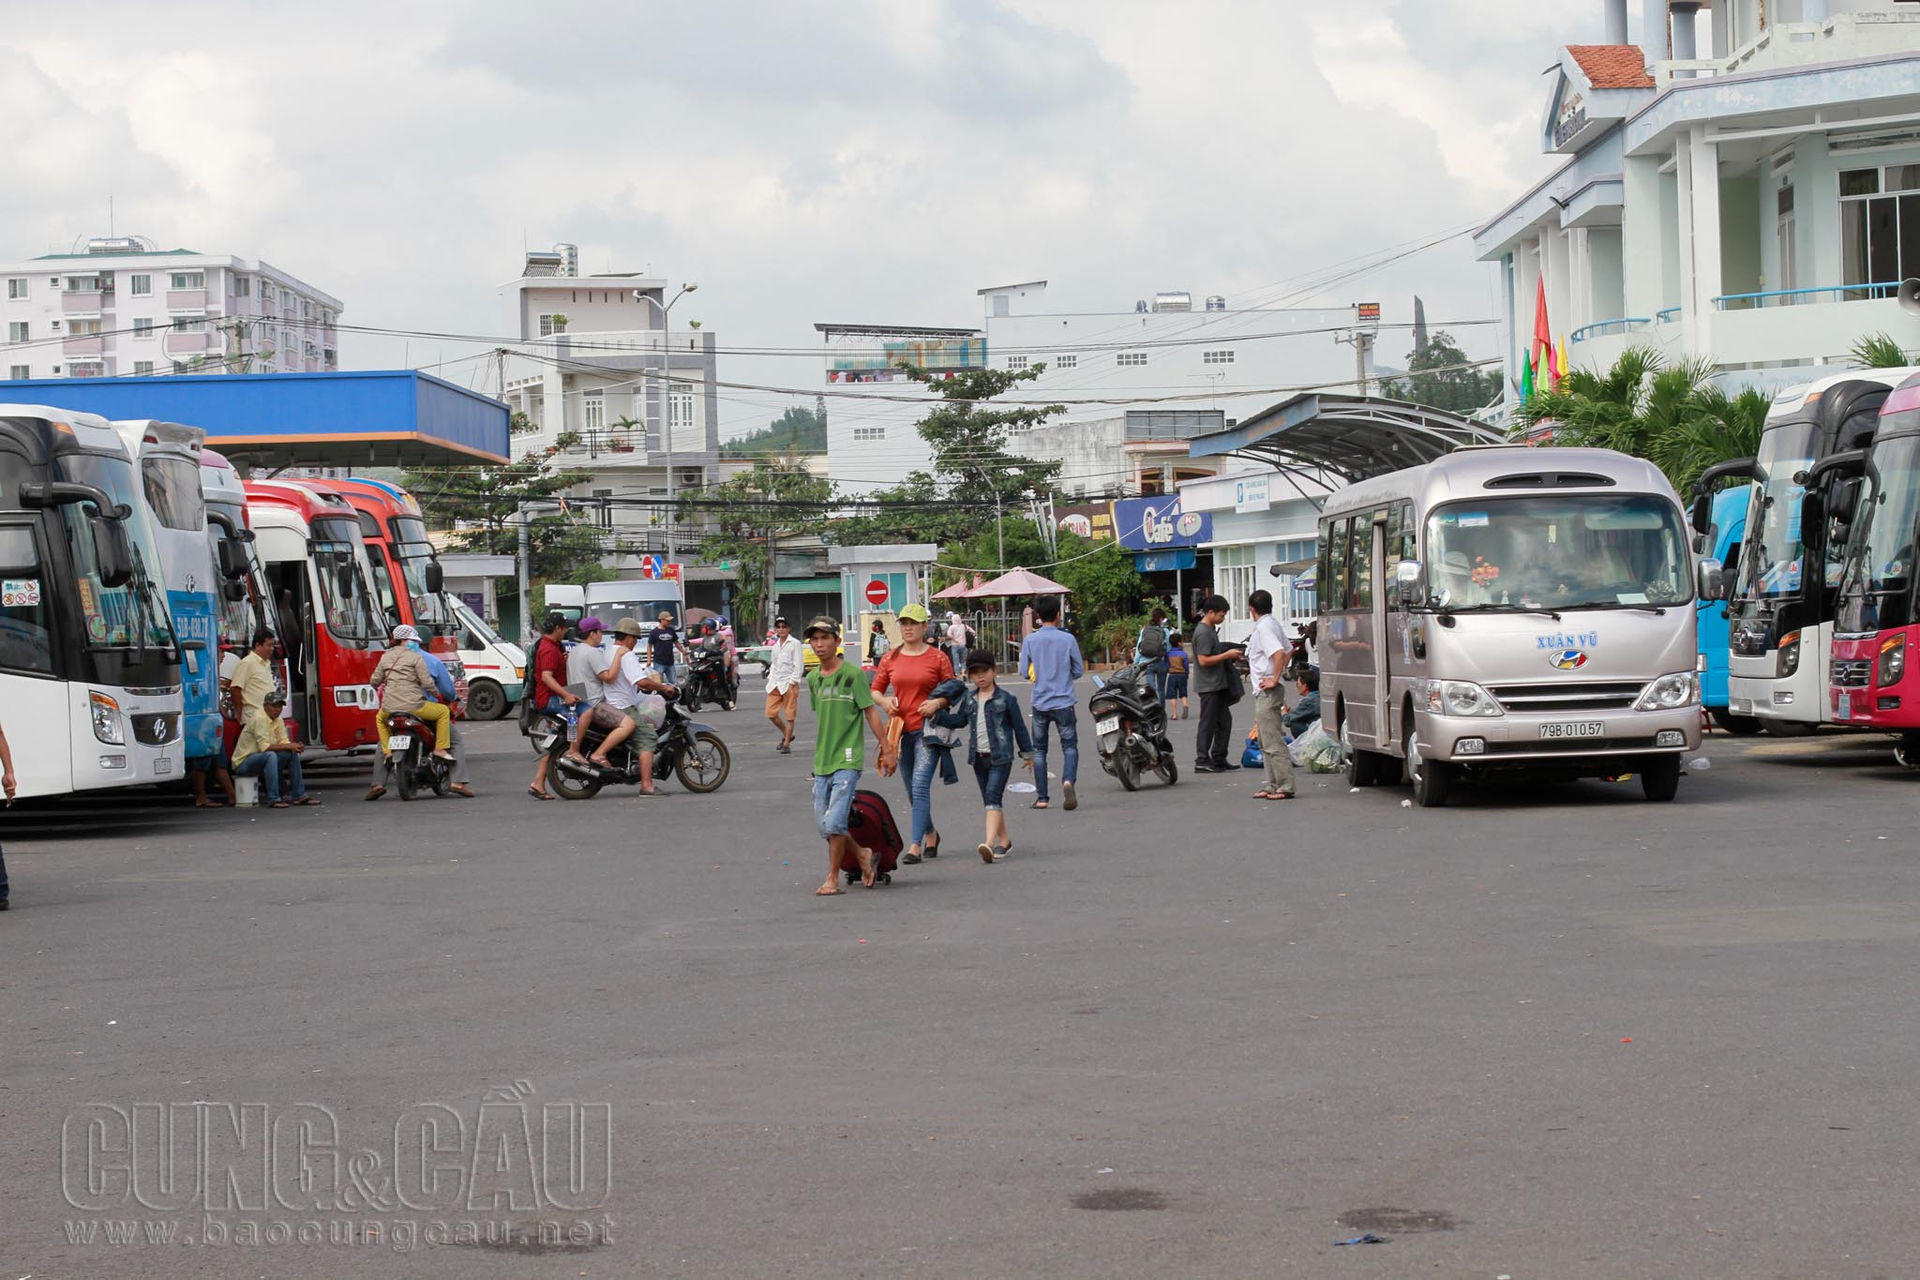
point(435, 579)
point(112, 551)
point(233, 559)
point(1711, 579)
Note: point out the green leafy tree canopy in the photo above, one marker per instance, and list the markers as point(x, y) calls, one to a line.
point(1439, 377)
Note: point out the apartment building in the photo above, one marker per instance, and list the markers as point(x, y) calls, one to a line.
point(122, 306)
point(606, 388)
point(1754, 202)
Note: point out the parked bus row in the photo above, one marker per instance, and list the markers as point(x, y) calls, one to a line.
point(134, 560)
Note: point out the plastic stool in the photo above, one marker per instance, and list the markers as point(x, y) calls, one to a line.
point(246, 789)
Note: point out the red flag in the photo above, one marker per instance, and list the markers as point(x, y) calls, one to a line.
point(1542, 331)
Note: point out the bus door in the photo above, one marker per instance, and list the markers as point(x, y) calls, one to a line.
point(1361, 635)
point(1381, 709)
point(293, 603)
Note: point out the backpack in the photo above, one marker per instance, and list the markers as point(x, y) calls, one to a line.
point(1153, 642)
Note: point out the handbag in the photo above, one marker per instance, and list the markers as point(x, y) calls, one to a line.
point(1253, 757)
point(1236, 687)
point(889, 763)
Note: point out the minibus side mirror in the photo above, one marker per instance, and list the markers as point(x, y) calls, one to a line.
point(233, 589)
point(1406, 583)
point(1838, 530)
point(435, 578)
point(1711, 578)
point(112, 551)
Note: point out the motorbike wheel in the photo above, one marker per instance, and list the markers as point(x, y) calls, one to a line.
point(1168, 768)
point(564, 784)
point(706, 764)
point(690, 699)
point(404, 780)
point(1127, 769)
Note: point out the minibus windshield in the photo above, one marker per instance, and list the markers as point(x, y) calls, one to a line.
point(1559, 551)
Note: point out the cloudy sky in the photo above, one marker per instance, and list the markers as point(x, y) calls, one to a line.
point(861, 160)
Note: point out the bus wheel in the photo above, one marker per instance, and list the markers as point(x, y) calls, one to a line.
point(1906, 752)
point(486, 700)
point(1431, 779)
point(1738, 726)
point(1363, 767)
point(1660, 777)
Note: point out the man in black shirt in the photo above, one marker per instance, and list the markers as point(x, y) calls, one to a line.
point(1211, 655)
point(662, 643)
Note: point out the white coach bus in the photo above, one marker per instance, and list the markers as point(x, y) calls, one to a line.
point(1507, 608)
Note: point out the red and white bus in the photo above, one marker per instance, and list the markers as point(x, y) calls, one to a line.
point(331, 628)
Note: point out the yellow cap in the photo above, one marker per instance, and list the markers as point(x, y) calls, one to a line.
point(914, 613)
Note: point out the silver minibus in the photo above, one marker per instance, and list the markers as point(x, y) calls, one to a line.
point(1511, 609)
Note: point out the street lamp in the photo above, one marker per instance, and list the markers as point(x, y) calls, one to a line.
point(664, 422)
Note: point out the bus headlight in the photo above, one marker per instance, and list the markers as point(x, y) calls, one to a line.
point(1680, 689)
point(1460, 698)
point(1789, 653)
point(107, 725)
point(1893, 661)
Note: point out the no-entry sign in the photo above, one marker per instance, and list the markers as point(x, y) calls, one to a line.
point(876, 593)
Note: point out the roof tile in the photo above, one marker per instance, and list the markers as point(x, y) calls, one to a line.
point(1612, 66)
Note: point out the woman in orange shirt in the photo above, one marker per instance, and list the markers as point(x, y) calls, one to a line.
point(912, 669)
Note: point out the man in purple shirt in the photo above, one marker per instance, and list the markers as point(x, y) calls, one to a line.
point(1056, 662)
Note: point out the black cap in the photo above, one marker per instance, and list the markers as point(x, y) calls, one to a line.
point(781, 622)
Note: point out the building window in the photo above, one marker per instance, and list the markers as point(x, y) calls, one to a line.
point(1016, 362)
point(83, 328)
point(1217, 357)
point(189, 324)
point(16, 331)
point(679, 409)
point(140, 286)
point(864, 434)
point(17, 287)
point(266, 294)
point(20, 373)
point(603, 499)
point(187, 280)
point(1879, 228)
point(54, 325)
point(143, 328)
point(87, 370)
point(552, 323)
point(141, 368)
point(595, 417)
point(1065, 362)
point(83, 284)
point(1132, 359)
point(1234, 569)
point(242, 287)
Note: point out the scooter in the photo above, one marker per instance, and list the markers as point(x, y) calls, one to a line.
point(1130, 727)
point(708, 679)
point(410, 757)
point(687, 748)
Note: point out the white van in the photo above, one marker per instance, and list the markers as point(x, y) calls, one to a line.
point(496, 667)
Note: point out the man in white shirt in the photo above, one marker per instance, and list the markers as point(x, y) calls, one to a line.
point(786, 668)
point(632, 677)
point(1267, 655)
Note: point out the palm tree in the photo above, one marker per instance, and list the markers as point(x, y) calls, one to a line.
point(1878, 351)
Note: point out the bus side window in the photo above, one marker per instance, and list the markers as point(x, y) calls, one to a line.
point(1334, 585)
point(1360, 564)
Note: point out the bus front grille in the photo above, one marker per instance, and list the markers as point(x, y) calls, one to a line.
point(1589, 696)
point(1851, 673)
point(156, 729)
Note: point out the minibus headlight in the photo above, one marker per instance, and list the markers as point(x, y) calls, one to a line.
point(1460, 698)
point(1680, 689)
point(1893, 661)
point(106, 720)
point(1789, 653)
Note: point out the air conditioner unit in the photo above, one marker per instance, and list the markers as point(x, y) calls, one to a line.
point(691, 476)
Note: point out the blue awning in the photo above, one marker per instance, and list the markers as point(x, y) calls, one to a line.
point(393, 418)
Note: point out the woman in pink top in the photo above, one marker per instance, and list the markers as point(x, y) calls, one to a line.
point(912, 670)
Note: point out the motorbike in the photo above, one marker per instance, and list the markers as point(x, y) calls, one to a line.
point(708, 678)
point(1130, 727)
point(410, 757)
point(687, 749)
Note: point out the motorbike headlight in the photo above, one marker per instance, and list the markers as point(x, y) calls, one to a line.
point(1789, 653)
point(107, 725)
point(1460, 698)
point(1680, 689)
point(1893, 661)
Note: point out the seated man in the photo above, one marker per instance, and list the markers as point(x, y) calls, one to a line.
point(404, 679)
point(623, 695)
point(1307, 710)
point(266, 752)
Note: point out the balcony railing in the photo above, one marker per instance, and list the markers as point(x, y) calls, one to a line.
point(84, 345)
point(628, 447)
point(1796, 297)
point(186, 299)
point(185, 344)
point(83, 301)
point(1667, 315)
point(1604, 328)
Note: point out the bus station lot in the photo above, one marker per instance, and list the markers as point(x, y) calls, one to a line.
point(1545, 1031)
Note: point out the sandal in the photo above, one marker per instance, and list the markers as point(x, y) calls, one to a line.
point(280, 804)
point(538, 794)
point(460, 789)
point(307, 800)
point(375, 792)
point(1040, 804)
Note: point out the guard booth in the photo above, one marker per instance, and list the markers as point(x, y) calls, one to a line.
point(877, 582)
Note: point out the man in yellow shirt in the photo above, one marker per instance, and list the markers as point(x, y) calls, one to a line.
point(252, 680)
point(265, 751)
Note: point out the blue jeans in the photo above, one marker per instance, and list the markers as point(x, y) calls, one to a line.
point(1065, 720)
point(270, 767)
point(917, 763)
point(832, 800)
point(993, 781)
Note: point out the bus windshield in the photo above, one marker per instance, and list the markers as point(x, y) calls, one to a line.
point(1775, 553)
point(1876, 593)
point(336, 560)
point(133, 616)
point(1558, 552)
point(172, 485)
point(645, 612)
point(415, 553)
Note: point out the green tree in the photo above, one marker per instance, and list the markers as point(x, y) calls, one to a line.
point(798, 430)
point(749, 514)
point(1878, 351)
point(1440, 376)
point(481, 504)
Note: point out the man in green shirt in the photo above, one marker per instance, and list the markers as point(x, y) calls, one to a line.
point(840, 698)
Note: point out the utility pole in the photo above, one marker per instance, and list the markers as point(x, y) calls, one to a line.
point(526, 586)
point(1361, 338)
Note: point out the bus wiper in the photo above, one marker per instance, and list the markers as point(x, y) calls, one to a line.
point(1658, 610)
point(1501, 608)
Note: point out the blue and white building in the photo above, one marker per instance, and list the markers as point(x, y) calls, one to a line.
point(1741, 184)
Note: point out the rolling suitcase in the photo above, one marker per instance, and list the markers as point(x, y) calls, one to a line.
point(870, 823)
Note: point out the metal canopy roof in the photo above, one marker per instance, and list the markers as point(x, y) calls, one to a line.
point(394, 418)
point(1349, 437)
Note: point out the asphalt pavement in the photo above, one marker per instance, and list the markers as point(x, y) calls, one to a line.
point(1548, 1031)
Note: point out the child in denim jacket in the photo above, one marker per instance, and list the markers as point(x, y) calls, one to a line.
point(994, 728)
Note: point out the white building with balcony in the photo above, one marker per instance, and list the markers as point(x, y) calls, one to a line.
point(125, 307)
point(607, 389)
point(1755, 204)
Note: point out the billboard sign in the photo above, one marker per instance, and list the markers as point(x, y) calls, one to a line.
point(1090, 520)
point(1159, 524)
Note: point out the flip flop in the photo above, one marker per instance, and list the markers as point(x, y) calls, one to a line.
point(538, 794)
point(307, 800)
point(824, 892)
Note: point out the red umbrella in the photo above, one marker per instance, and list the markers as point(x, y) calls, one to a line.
point(955, 592)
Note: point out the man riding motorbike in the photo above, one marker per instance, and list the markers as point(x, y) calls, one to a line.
point(406, 684)
point(623, 695)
